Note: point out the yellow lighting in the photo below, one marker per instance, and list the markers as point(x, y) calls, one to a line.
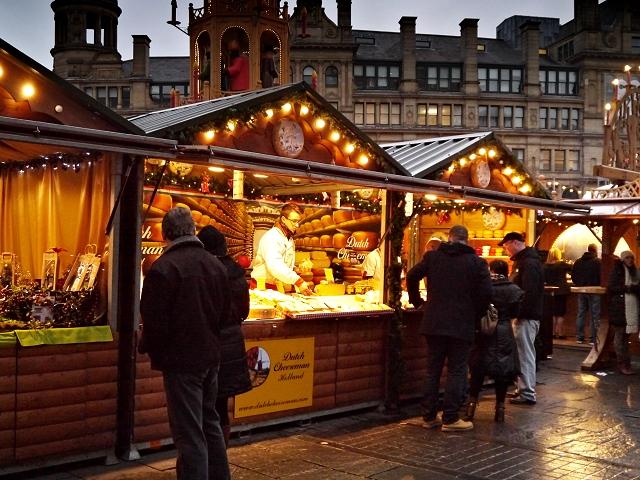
point(472, 156)
point(286, 108)
point(516, 180)
point(209, 134)
point(451, 168)
point(269, 113)
point(260, 175)
point(607, 106)
point(430, 197)
point(231, 125)
point(335, 136)
point(615, 82)
point(526, 188)
point(320, 123)
point(216, 169)
point(482, 151)
point(492, 153)
point(459, 201)
point(304, 110)
point(1, 71)
point(349, 148)
point(635, 221)
point(363, 159)
point(507, 171)
point(295, 180)
point(28, 90)
point(463, 161)
point(627, 68)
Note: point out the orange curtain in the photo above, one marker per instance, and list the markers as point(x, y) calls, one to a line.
point(44, 208)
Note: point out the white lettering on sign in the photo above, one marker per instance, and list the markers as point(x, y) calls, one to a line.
point(353, 243)
point(146, 233)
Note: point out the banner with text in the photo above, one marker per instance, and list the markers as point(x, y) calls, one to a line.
point(281, 374)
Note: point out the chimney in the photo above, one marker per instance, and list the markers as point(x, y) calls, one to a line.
point(408, 44)
point(530, 42)
point(344, 19)
point(140, 66)
point(469, 45)
point(585, 14)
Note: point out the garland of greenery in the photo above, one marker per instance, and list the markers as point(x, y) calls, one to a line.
point(444, 206)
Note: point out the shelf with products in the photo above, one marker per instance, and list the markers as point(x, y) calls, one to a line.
point(364, 223)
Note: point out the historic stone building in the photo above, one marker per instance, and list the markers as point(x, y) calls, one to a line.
point(540, 85)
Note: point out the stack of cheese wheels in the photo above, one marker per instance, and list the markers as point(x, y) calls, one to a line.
point(326, 241)
point(352, 273)
point(317, 224)
point(327, 220)
point(339, 240)
point(341, 216)
point(320, 261)
point(162, 203)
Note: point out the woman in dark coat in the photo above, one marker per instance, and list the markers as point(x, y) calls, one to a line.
point(496, 355)
point(555, 275)
point(233, 376)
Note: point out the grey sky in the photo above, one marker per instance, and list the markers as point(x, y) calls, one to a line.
point(28, 24)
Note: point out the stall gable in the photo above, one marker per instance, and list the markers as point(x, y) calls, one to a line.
point(291, 122)
point(478, 160)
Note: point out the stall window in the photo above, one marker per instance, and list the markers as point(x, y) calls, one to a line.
point(457, 115)
point(395, 114)
point(126, 97)
point(113, 97)
point(358, 117)
point(545, 160)
point(445, 116)
point(483, 116)
point(331, 77)
point(101, 95)
point(519, 117)
point(559, 157)
point(574, 161)
point(507, 117)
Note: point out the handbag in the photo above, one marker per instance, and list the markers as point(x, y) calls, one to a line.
point(489, 320)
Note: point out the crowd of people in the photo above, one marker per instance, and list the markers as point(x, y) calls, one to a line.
point(193, 334)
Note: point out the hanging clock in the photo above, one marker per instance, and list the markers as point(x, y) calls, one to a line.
point(180, 168)
point(480, 173)
point(288, 138)
point(365, 193)
point(493, 219)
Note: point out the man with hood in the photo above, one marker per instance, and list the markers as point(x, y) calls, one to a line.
point(184, 299)
point(527, 273)
point(586, 273)
point(458, 295)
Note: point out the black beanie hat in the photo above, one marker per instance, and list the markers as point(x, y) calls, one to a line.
point(214, 241)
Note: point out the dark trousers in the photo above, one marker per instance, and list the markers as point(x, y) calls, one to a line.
point(195, 425)
point(456, 353)
point(477, 380)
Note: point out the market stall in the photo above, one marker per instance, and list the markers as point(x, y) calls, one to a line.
point(59, 295)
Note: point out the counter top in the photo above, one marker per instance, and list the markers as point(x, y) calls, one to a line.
point(598, 290)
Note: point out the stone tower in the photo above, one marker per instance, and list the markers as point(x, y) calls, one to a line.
point(255, 31)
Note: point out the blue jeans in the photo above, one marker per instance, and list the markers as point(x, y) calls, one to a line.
point(195, 425)
point(456, 353)
point(592, 302)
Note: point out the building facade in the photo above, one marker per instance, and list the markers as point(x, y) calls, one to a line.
point(540, 85)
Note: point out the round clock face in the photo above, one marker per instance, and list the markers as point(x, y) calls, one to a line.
point(481, 173)
point(365, 193)
point(493, 219)
point(180, 168)
point(288, 138)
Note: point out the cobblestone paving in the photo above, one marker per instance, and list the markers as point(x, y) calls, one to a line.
point(585, 426)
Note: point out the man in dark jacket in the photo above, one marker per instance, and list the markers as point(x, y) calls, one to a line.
point(528, 275)
point(586, 273)
point(184, 298)
point(458, 295)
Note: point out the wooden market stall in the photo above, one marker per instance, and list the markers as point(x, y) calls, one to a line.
point(59, 343)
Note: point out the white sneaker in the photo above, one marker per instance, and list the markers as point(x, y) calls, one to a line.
point(458, 425)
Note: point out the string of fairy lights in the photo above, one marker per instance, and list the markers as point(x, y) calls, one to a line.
point(55, 161)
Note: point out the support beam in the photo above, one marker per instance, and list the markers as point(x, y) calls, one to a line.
point(615, 174)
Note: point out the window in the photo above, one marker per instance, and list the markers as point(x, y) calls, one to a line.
point(445, 116)
point(494, 116)
point(565, 51)
point(383, 117)
point(432, 115)
point(553, 118)
point(386, 77)
point(518, 153)
point(422, 114)
point(481, 47)
point(504, 80)
point(574, 161)
point(101, 95)
point(558, 82)
point(358, 113)
point(564, 118)
point(518, 121)
point(457, 115)
point(545, 160)
point(439, 77)
point(558, 160)
point(126, 97)
point(483, 116)
point(88, 91)
point(308, 73)
point(161, 93)
point(395, 114)
point(543, 118)
point(370, 114)
point(113, 97)
point(423, 43)
point(507, 117)
point(635, 44)
point(365, 40)
point(334, 105)
point(331, 77)
point(575, 119)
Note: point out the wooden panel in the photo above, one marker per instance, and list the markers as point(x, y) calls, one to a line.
point(7, 404)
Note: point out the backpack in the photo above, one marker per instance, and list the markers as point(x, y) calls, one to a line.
point(489, 320)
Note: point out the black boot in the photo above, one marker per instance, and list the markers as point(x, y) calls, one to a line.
point(499, 416)
point(471, 408)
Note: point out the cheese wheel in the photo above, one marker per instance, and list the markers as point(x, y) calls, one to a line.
point(301, 256)
point(353, 272)
point(205, 202)
point(339, 240)
point(204, 220)
point(182, 205)
point(326, 220)
point(314, 241)
point(326, 241)
point(363, 241)
point(155, 233)
point(340, 216)
point(318, 255)
point(317, 224)
point(318, 272)
point(196, 216)
point(308, 211)
point(161, 201)
point(306, 276)
point(323, 263)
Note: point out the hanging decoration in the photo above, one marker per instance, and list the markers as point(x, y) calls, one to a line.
point(55, 161)
point(440, 207)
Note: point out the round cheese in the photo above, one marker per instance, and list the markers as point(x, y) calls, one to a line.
point(314, 242)
point(340, 216)
point(317, 224)
point(339, 240)
point(326, 220)
point(326, 241)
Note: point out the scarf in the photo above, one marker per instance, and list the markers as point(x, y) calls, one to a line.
point(631, 302)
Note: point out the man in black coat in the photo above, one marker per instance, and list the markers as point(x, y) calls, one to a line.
point(527, 273)
point(586, 273)
point(184, 298)
point(458, 295)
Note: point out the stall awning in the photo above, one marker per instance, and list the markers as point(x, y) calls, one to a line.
point(332, 174)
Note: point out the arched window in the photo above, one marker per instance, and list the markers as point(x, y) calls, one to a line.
point(331, 77)
point(308, 73)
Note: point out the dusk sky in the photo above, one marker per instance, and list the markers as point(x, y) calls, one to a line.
point(28, 24)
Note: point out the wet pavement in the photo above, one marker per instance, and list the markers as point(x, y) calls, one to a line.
point(584, 426)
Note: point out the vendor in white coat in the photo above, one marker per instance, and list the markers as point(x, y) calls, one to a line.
point(276, 254)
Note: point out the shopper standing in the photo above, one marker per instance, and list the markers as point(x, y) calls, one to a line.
point(624, 309)
point(586, 273)
point(527, 274)
point(458, 295)
point(184, 299)
point(555, 275)
point(233, 376)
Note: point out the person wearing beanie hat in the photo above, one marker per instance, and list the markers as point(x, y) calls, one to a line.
point(624, 307)
point(233, 376)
